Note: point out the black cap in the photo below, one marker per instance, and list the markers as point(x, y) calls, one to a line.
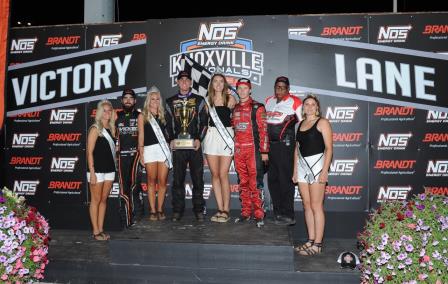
point(183, 74)
point(282, 79)
point(244, 81)
point(128, 92)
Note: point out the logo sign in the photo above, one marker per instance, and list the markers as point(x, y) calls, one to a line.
point(393, 193)
point(437, 168)
point(435, 30)
point(26, 163)
point(395, 167)
point(394, 141)
point(436, 190)
point(63, 116)
point(63, 164)
point(343, 167)
point(65, 187)
point(436, 137)
point(341, 114)
point(189, 191)
point(393, 34)
point(368, 72)
point(28, 117)
point(341, 31)
point(25, 187)
point(24, 140)
point(115, 190)
point(303, 31)
point(63, 40)
point(297, 196)
point(106, 40)
point(395, 113)
point(218, 33)
point(343, 189)
point(219, 49)
point(24, 45)
point(436, 117)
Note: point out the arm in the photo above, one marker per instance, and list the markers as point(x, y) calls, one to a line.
point(263, 132)
point(169, 122)
point(231, 102)
point(296, 157)
point(141, 136)
point(91, 140)
point(325, 128)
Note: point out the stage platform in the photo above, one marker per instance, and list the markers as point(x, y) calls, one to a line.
point(193, 252)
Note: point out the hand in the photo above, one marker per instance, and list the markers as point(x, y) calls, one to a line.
point(142, 160)
point(295, 177)
point(196, 144)
point(323, 177)
point(92, 178)
point(264, 157)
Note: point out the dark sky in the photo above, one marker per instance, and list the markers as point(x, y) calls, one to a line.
point(52, 12)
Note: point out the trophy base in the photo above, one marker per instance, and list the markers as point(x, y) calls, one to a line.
point(183, 144)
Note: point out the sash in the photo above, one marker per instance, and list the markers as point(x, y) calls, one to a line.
point(222, 130)
point(162, 142)
point(111, 144)
point(309, 174)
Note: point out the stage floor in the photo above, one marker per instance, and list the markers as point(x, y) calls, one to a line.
point(193, 252)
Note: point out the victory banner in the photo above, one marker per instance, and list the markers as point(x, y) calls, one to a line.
point(76, 78)
point(369, 72)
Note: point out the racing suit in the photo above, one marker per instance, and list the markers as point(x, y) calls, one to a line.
point(131, 204)
point(181, 158)
point(282, 116)
point(251, 140)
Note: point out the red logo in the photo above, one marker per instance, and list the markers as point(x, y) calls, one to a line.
point(63, 137)
point(347, 137)
point(68, 185)
point(436, 190)
point(395, 111)
point(436, 137)
point(29, 161)
point(341, 31)
point(33, 114)
point(139, 36)
point(343, 189)
point(435, 29)
point(395, 164)
point(63, 40)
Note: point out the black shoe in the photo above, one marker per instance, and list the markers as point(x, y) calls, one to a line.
point(281, 220)
point(176, 217)
point(242, 219)
point(200, 217)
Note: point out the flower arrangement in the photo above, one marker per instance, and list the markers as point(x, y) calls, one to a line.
point(23, 240)
point(406, 242)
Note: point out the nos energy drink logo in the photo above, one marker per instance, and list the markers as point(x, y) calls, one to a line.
point(219, 49)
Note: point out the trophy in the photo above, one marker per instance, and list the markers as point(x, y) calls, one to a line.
point(184, 111)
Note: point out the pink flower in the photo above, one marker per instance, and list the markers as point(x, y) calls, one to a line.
point(412, 226)
point(36, 258)
point(4, 277)
point(425, 258)
point(422, 277)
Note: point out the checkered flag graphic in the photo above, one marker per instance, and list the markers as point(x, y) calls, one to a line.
point(199, 75)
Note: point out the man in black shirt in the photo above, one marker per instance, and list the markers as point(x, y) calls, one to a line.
point(181, 158)
point(128, 161)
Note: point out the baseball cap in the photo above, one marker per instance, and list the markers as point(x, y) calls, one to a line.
point(183, 74)
point(244, 81)
point(128, 92)
point(282, 79)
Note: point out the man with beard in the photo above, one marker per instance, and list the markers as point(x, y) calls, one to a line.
point(128, 162)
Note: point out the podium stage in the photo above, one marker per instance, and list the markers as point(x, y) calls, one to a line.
point(193, 252)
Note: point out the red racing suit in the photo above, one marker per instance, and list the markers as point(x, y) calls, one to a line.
point(251, 140)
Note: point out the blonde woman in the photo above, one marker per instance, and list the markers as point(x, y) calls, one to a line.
point(312, 160)
point(217, 151)
point(101, 165)
point(154, 151)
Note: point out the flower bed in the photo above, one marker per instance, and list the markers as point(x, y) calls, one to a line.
point(23, 240)
point(406, 242)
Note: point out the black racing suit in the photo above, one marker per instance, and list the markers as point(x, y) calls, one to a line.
point(128, 167)
point(181, 158)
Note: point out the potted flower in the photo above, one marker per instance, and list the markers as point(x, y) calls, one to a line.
point(23, 240)
point(406, 242)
